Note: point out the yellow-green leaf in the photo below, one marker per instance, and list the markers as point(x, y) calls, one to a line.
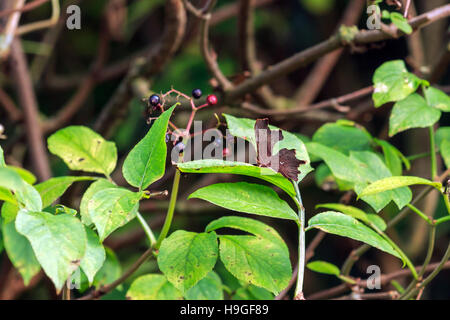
point(153, 287)
point(83, 149)
point(396, 182)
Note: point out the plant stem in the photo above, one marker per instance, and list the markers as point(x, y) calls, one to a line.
point(420, 213)
point(170, 210)
point(357, 253)
point(430, 250)
point(109, 287)
point(66, 291)
point(441, 220)
point(301, 245)
point(447, 202)
point(431, 276)
point(400, 252)
point(418, 156)
point(433, 153)
point(147, 230)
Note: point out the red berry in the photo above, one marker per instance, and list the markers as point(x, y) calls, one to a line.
point(211, 99)
point(225, 152)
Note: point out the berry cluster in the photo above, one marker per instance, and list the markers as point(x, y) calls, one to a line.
point(155, 100)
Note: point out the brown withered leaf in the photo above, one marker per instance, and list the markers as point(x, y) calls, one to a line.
point(285, 161)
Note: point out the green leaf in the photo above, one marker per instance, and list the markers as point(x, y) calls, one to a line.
point(187, 257)
point(437, 99)
point(54, 188)
point(60, 208)
point(7, 196)
point(393, 157)
point(87, 196)
point(27, 196)
point(20, 252)
point(241, 168)
point(245, 129)
point(153, 287)
point(248, 225)
point(393, 82)
point(209, 288)
point(401, 22)
point(26, 175)
point(59, 242)
point(324, 177)
point(361, 168)
point(256, 261)
point(83, 149)
point(94, 257)
point(369, 219)
point(261, 259)
point(9, 212)
point(250, 292)
point(396, 182)
point(346, 226)
point(373, 168)
point(412, 112)
point(443, 133)
point(110, 271)
point(342, 137)
point(112, 208)
point(443, 142)
point(377, 221)
point(2, 158)
point(323, 267)
point(340, 165)
point(348, 210)
point(246, 197)
point(445, 152)
point(146, 162)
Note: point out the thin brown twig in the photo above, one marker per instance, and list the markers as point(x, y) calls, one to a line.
point(121, 67)
point(358, 252)
point(117, 106)
point(29, 104)
point(49, 40)
point(305, 57)
point(26, 7)
point(316, 79)
point(38, 25)
point(246, 37)
point(407, 6)
point(384, 279)
point(10, 29)
point(211, 62)
point(108, 288)
point(11, 109)
point(415, 45)
point(230, 10)
point(87, 85)
point(320, 105)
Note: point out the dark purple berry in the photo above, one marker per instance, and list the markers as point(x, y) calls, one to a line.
point(154, 100)
point(211, 99)
point(197, 93)
point(180, 147)
point(167, 137)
